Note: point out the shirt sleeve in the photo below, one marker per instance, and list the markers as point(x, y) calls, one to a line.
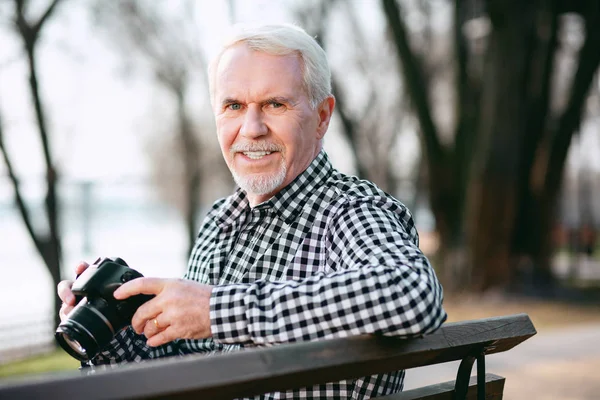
point(382, 284)
point(127, 346)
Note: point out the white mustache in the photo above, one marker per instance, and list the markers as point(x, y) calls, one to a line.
point(260, 146)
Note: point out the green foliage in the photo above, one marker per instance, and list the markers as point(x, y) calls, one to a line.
point(55, 361)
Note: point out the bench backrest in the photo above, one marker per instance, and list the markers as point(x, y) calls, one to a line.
point(287, 366)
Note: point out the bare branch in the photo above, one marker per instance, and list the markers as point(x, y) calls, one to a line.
point(18, 197)
point(459, 38)
point(542, 69)
point(589, 61)
point(51, 8)
point(349, 124)
point(414, 80)
point(30, 32)
point(22, 25)
point(460, 48)
point(20, 6)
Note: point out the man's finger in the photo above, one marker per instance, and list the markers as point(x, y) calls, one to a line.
point(64, 292)
point(145, 312)
point(82, 266)
point(140, 286)
point(64, 311)
point(166, 336)
point(152, 329)
point(149, 329)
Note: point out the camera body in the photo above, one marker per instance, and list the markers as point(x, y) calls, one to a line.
point(98, 316)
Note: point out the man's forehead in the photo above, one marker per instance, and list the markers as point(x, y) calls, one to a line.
point(241, 58)
point(241, 68)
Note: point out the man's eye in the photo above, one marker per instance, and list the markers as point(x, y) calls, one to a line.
point(275, 104)
point(235, 106)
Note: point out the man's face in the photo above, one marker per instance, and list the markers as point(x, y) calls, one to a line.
point(267, 130)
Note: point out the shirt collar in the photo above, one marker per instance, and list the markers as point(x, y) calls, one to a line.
point(233, 208)
point(288, 202)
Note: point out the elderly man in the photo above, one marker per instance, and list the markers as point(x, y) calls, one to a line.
point(299, 251)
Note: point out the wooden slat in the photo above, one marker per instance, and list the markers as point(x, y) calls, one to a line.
point(494, 387)
point(282, 367)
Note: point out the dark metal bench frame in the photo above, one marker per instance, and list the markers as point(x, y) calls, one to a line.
point(287, 366)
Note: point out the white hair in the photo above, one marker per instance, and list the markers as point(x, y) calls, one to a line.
point(282, 39)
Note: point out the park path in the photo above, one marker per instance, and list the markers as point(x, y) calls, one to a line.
point(557, 364)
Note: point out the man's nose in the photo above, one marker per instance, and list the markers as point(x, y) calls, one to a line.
point(253, 125)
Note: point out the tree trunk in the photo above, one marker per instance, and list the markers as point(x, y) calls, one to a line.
point(49, 246)
point(531, 243)
point(51, 258)
point(495, 190)
point(191, 158)
point(444, 202)
point(541, 276)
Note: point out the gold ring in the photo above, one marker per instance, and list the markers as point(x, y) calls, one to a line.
point(156, 323)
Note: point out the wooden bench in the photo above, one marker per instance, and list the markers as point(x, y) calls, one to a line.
point(256, 371)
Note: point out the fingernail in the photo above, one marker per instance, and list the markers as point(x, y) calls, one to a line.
point(70, 299)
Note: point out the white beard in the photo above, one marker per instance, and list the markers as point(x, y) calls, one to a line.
point(261, 184)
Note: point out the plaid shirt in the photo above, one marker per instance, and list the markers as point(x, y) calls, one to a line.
point(328, 256)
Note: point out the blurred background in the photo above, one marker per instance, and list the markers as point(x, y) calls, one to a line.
point(482, 116)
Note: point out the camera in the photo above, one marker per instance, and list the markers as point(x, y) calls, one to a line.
point(98, 316)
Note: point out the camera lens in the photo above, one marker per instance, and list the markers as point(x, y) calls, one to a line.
point(86, 330)
point(76, 341)
point(73, 345)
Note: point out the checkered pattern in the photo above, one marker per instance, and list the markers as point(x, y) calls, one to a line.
point(328, 256)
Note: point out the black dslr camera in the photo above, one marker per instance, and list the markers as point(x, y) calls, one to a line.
point(98, 316)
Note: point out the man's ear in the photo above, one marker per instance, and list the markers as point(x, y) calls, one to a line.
point(325, 110)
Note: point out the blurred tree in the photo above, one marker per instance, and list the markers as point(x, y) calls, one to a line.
point(370, 121)
point(46, 241)
point(493, 190)
point(168, 44)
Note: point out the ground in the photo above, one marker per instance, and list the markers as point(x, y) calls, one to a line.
point(564, 380)
point(560, 362)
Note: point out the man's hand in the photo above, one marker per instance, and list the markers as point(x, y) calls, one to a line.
point(180, 310)
point(65, 294)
